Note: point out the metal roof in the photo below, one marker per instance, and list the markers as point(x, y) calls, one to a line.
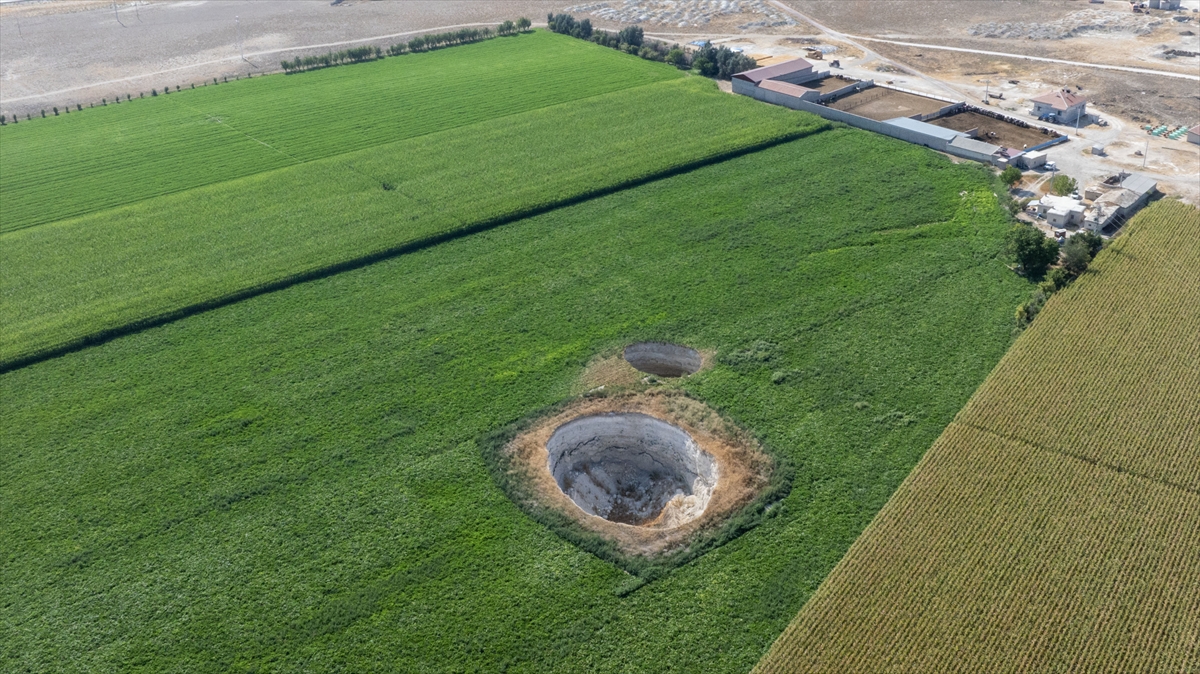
point(975, 145)
point(1060, 99)
point(923, 128)
point(778, 70)
point(1139, 183)
point(784, 88)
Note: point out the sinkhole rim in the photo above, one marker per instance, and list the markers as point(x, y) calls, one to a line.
point(745, 472)
point(632, 468)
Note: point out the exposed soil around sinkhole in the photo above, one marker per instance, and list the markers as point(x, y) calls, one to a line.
point(648, 471)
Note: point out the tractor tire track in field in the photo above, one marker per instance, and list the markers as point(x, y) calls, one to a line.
point(108, 334)
point(1081, 458)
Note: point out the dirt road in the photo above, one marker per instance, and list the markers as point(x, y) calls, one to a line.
point(1143, 71)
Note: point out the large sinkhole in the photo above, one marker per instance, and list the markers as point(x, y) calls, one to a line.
point(632, 468)
point(663, 358)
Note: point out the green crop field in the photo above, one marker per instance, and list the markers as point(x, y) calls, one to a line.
point(294, 481)
point(67, 282)
point(1055, 525)
point(88, 161)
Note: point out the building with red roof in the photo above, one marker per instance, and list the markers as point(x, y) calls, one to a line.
point(1064, 105)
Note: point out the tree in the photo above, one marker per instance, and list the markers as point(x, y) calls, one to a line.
point(1032, 249)
point(631, 35)
point(1010, 176)
point(677, 57)
point(523, 24)
point(705, 66)
point(506, 28)
point(1076, 256)
point(1062, 185)
point(1094, 241)
point(1059, 278)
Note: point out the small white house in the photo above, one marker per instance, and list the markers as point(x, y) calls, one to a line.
point(1031, 160)
point(1060, 211)
point(1064, 105)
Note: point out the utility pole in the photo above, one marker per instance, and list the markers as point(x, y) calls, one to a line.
point(1146, 154)
point(987, 90)
point(135, 10)
point(118, 15)
point(237, 23)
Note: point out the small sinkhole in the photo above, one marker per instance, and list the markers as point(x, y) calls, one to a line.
point(632, 469)
point(663, 358)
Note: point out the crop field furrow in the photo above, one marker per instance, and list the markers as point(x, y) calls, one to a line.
point(1056, 521)
point(89, 161)
point(293, 481)
point(71, 282)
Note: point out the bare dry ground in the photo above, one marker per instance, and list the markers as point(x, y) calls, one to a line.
point(64, 52)
point(1137, 97)
point(1071, 30)
point(883, 104)
point(995, 131)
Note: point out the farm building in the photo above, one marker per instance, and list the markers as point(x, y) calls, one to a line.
point(969, 148)
point(1168, 5)
point(1117, 201)
point(908, 115)
point(779, 84)
point(795, 71)
point(1193, 134)
point(1065, 106)
point(922, 133)
point(1031, 160)
point(1060, 211)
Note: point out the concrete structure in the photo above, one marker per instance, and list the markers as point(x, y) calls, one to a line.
point(779, 84)
point(1193, 134)
point(977, 150)
point(922, 133)
point(1030, 160)
point(796, 71)
point(783, 84)
point(1060, 211)
point(1064, 105)
point(1114, 202)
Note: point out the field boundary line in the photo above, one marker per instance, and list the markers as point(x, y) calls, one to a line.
point(108, 334)
point(302, 162)
point(1082, 459)
point(268, 52)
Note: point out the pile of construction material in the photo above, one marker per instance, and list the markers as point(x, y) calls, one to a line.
point(683, 13)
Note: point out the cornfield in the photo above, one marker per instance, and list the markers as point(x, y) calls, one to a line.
point(1055, 524)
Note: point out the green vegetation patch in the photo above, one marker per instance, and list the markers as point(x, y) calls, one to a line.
point(1063, 501)
point(71, 282)
point(102, 157)
point(293, 481)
